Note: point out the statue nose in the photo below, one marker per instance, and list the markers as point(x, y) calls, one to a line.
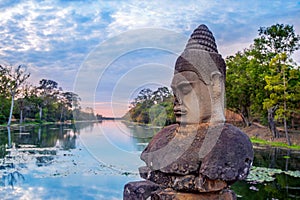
point(178, 100)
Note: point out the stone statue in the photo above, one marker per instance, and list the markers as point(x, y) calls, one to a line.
point(201, 155)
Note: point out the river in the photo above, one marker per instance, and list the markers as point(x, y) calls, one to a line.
point(96, 160)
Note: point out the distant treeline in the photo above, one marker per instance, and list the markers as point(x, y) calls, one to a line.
point(22, 101)
point(152, 107)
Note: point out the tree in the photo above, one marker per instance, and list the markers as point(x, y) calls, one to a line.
point(247, 70)
point(282, 87)
point(44, 102)
point(64, 103)
point(22, 101)
point(3, 82)
point(276, 39)
point(277, 42)
point(48, 93)
point(145, 95)
point(245, 84)
point(154, 107)
point(4, 101)
point(15, 77)
point(72, 99)
point(160, 95)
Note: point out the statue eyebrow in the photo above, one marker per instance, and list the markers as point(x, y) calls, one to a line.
point(182, 83)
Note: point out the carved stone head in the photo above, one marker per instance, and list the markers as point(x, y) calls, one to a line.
point(199, 79)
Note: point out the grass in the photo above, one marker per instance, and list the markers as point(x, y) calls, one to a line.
point(274, 144)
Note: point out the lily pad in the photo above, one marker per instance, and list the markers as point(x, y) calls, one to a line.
point(262, 174)
point(293, 173)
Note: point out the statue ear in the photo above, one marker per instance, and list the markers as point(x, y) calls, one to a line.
point(216, 82)
point(217, 97)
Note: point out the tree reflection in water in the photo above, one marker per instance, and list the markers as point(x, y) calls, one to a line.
point(12, 179)
point(27, 146)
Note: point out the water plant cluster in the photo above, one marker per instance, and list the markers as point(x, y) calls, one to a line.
point(263, 174)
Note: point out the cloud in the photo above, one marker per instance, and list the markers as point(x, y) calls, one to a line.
point(56, 37)
point(233, 23)
point(48, 26)
point(174, 15)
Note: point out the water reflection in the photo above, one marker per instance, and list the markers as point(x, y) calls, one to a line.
point(129, 137)
point(12, 179)
point(141, 134)
point(9, 137)
point(53, 161)
point(50, 162)
point(26, 145)
point(278, 158)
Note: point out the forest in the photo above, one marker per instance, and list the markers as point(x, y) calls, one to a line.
point(21, 102)
point(262, 85)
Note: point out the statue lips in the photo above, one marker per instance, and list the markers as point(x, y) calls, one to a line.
point(179, 111)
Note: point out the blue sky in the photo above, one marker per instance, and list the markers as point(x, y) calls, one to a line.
point(65, 40)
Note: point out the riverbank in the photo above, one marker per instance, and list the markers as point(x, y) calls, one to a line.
point(261, 135)
point(47, 123)
point(34, 124)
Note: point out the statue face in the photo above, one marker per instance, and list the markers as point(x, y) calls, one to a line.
point(192, 103)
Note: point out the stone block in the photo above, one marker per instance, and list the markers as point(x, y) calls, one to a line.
point(139, 190)
point(169, 194)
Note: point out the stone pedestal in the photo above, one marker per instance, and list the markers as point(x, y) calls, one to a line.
point(139, 190)
point(187, 183)
point(169, 194)
point(147, 190)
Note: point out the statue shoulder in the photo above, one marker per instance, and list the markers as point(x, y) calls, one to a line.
point(161, 138)
point(231, 157)
point(234, 135)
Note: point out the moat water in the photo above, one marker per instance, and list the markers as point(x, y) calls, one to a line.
point(96, 160)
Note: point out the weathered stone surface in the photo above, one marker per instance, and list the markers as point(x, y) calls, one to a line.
point(229, 160)
point(231, 157)
point(169, 194)
point(186, 183)
point(202, 38)
point(139, 190)
point(175, 149)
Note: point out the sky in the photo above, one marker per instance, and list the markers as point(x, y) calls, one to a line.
point(106, 51)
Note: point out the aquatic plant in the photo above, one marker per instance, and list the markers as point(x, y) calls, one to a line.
point(263, 174)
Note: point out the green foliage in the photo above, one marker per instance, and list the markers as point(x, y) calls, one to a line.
point(152, 107)
point(3, 119)
point(245, 84)
point(276, 39)
point(262, 174)
point(37, 118)
point(41, 103)
point(283, 85)
point(13, 78)
point(264, 76)
point(4, 109)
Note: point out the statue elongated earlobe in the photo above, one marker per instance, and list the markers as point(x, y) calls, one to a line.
point(217, 97)
point(216, 82)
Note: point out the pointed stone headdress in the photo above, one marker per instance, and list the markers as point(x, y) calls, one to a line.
point(201, 55)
